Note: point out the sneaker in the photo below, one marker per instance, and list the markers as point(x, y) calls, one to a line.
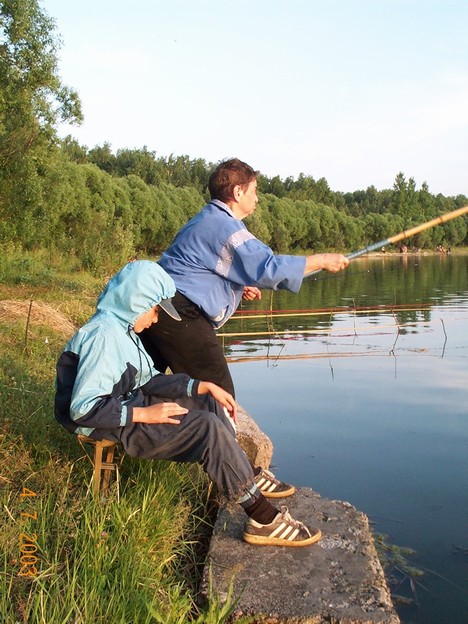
point(283, 531)
point(271, 487)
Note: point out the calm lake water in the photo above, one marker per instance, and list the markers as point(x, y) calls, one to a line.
point(369, 404)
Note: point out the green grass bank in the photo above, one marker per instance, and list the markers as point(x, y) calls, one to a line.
point(66, 557)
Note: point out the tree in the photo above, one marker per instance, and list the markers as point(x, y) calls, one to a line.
point(103, 157)
point(74, 151)
point(142, 163)
point(406, 200)
point(33, 101)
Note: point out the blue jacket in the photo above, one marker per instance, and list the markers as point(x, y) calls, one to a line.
point(214, 256)
point(104, 370)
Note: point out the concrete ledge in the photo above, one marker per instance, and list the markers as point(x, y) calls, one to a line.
point(337, 581)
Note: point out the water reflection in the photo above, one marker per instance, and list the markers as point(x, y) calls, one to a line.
point(364, 397)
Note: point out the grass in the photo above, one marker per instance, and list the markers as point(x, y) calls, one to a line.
point(132, 560)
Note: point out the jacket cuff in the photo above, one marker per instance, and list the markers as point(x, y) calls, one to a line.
point(192, 387)
point(126, 417)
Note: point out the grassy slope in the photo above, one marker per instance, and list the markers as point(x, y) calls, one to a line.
point(114, 562)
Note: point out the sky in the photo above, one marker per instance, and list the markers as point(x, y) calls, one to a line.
point(354, 91)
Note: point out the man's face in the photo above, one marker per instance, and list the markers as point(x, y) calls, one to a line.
point(246, 199)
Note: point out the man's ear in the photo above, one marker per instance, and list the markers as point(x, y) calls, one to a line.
point(237, 192)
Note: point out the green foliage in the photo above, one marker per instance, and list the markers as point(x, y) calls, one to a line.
point(104, 219)
point(32, 101)
point(102, 208)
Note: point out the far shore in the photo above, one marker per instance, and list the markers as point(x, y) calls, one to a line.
point(423, 252)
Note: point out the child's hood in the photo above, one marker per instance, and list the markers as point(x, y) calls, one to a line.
point(136, 288)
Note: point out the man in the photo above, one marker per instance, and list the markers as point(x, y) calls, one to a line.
point(107, 388)
point(215, 261)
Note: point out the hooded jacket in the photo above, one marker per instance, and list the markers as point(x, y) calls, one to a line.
point(214, 256)
point(104, 371)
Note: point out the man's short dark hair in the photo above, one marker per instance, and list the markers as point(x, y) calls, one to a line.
point(227, 175)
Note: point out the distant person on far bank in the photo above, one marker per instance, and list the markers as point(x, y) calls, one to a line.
point(215, 262)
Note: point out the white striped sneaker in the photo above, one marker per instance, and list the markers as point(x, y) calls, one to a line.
point(283, 531)
point(271, 487)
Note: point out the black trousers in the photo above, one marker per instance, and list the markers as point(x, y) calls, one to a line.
point(204, 434)
point(189, 346)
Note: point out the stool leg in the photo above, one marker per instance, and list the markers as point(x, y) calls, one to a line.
point(107, 471)
point(97, 467)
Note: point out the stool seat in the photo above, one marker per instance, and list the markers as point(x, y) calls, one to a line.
point(102, 461)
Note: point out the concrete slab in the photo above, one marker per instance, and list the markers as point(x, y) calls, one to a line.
point(338, 581)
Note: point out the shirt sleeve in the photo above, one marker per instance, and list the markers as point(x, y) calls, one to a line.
point(246, 260)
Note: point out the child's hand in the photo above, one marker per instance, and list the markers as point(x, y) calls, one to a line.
point(218, 393)
point(159, 414)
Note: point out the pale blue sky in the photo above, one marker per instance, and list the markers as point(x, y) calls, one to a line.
point(350, 90)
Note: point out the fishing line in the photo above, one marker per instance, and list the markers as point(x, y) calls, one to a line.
point(445, 342)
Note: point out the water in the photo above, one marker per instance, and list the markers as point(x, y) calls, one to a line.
point(371, 407)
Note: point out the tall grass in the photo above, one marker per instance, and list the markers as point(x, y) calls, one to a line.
point(132, 560)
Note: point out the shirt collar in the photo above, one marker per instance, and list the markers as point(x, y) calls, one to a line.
point(219, 204)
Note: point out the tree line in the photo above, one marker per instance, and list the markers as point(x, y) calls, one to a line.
point(104, 207)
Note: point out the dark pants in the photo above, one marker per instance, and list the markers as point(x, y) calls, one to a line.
point(189, 346)
point(204, 435)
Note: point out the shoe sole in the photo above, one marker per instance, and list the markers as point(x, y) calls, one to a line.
point(260, 540)
point(274, 494)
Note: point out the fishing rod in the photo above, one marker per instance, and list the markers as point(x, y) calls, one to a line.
point(242, 315)
point(318, 331)
point(402, 235)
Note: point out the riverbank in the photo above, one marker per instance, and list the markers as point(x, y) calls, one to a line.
point(81, 547)
point(64, 550)
point(66, 557)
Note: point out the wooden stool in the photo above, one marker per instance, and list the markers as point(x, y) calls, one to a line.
point(103, 466)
